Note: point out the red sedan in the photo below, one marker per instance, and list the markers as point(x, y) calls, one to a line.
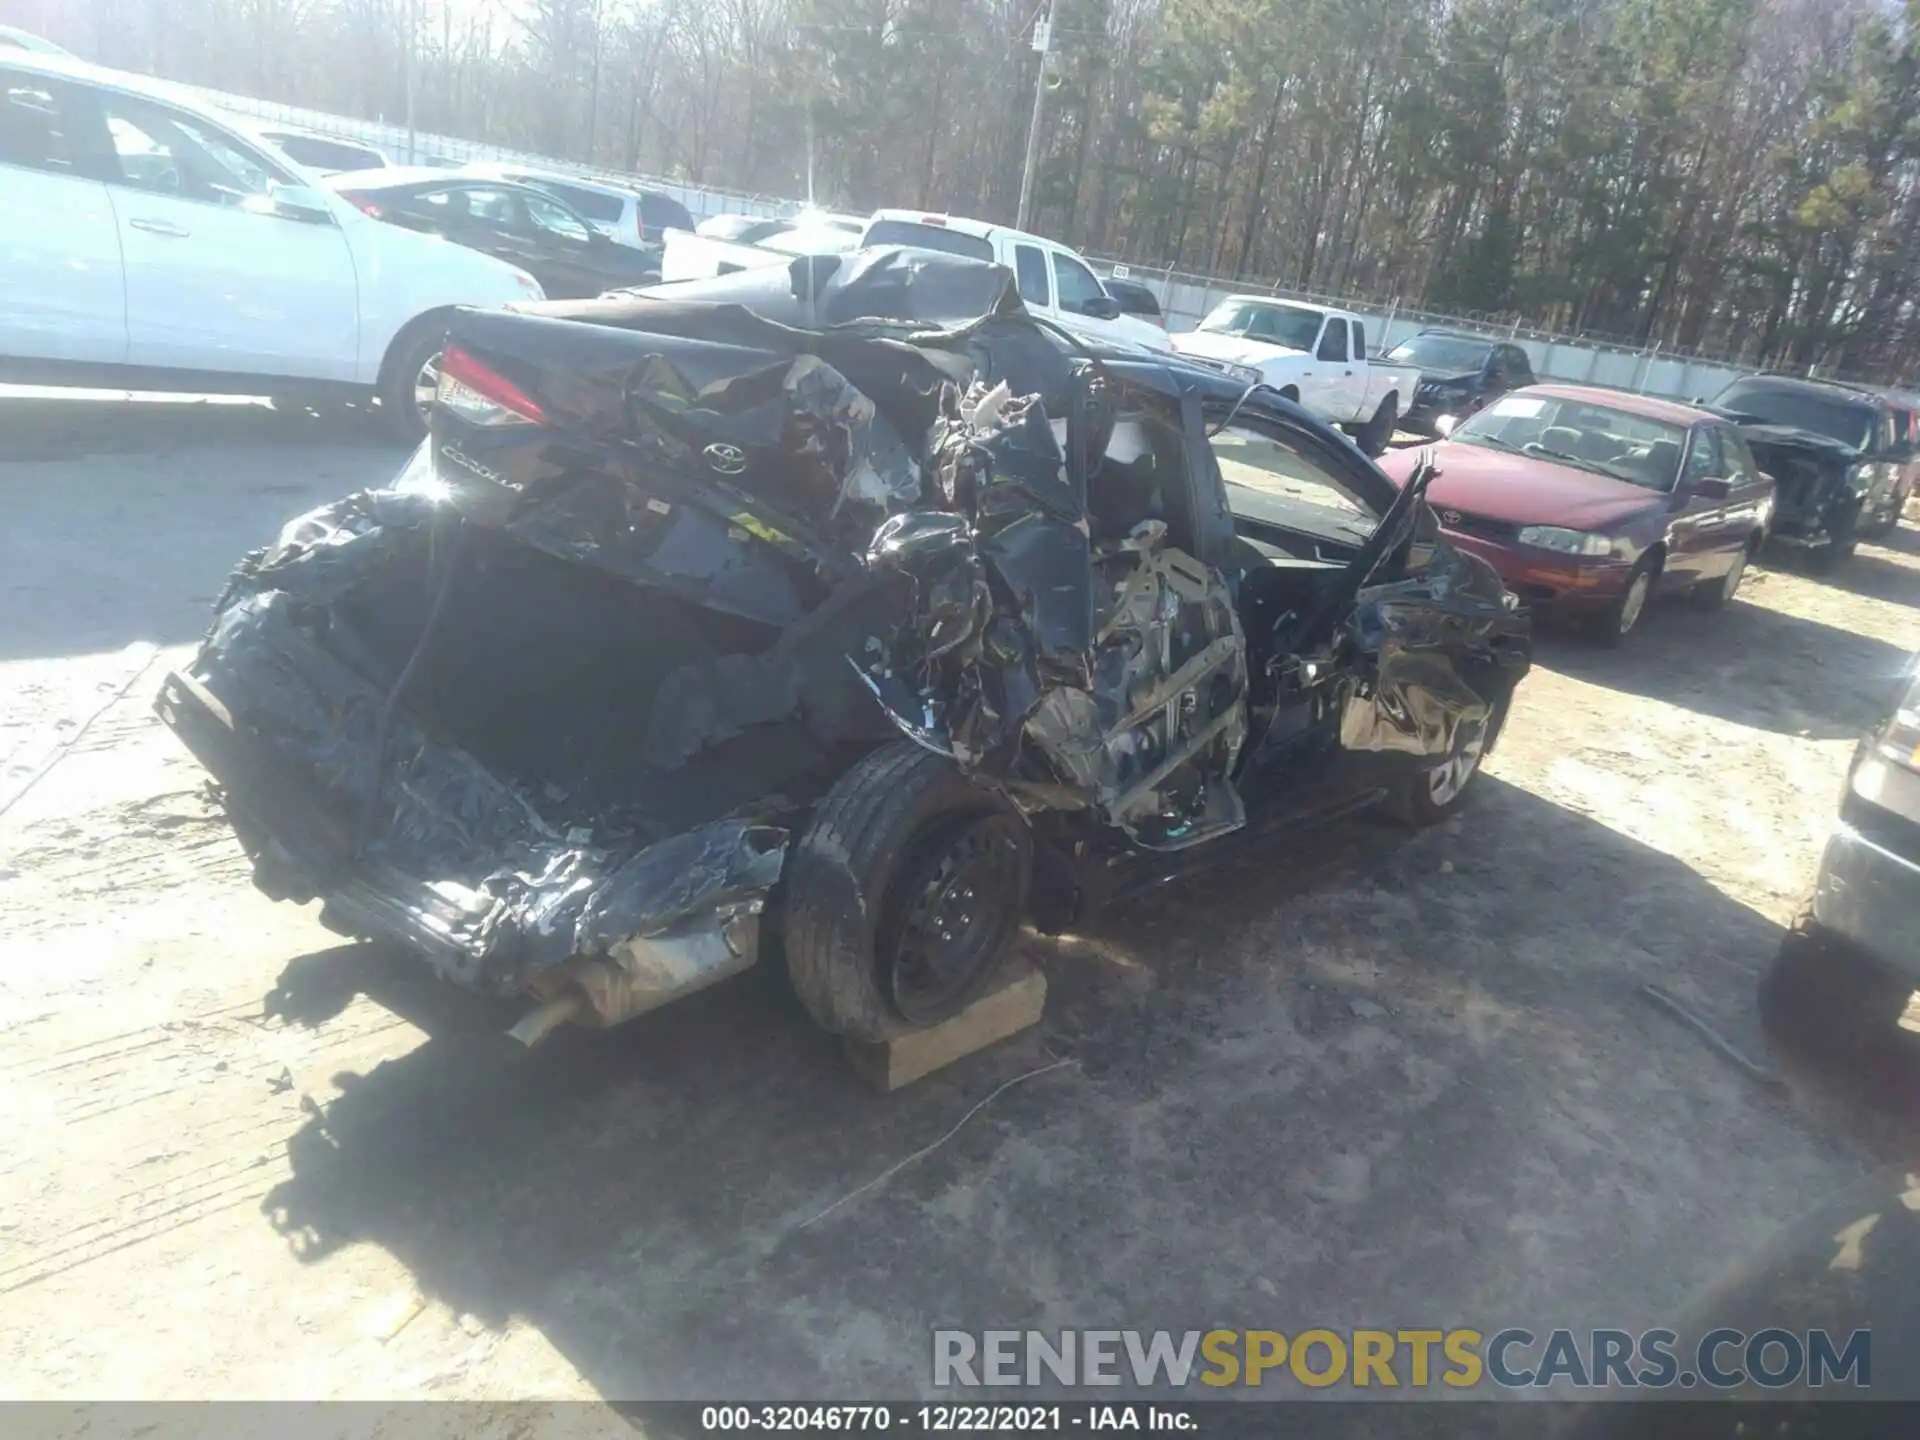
point(1594, 501)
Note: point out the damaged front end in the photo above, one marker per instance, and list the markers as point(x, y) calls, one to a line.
point(1820, 485)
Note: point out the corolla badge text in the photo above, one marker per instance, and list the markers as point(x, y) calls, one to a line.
point(727, 459)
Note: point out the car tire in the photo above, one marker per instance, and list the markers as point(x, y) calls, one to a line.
point(902, 847)
point(1825, 999)
point(1888, 523)
point(1719, 594)
point(1622, 620)
point(1375, 435)
point(1440, 789)
point(414, 354)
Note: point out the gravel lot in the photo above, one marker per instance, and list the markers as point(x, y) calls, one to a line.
point(1367, 1080)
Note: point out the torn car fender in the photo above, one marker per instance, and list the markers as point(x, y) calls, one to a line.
point(1439, 649)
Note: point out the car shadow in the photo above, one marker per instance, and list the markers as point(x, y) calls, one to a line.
point(1836, 1020)
point(45, 424)
point(1273, 1065)
point(1745, 663)
point(124, 517)
point(1869, 572)
point(1903, 539)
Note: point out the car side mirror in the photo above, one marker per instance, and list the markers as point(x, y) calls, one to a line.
point(1102, 307)
point(299, 202)
point(1713, 488)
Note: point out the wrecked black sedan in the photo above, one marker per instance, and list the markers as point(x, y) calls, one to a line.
point(844, 613)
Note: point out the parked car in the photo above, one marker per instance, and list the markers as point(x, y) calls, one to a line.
point(757, 229)
point(636, 217)
point(1594, 502)
point(789, 239)
point(743, 229)
point(325, 154)
point(878, 666)
point(1054, 283)
point(1458, 375)
point(1854, 953)
point(516, 223)
point(1835, 451)
point(1310, 354)
point(150, 245)
point(1135, 299)
point(12, 37)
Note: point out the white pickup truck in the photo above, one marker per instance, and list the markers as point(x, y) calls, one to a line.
point(1054, 282)
point(1311, 354)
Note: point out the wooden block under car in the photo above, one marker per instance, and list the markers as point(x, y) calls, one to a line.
point(1006, 1010)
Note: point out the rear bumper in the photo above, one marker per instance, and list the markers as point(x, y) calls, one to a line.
point(1868, 888)
point(1870, 895)
point(300, 844)
point(449, 861)
point(1542, 581)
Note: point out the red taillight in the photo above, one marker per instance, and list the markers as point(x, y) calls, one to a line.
point(366, 205)
point(481, 395)
point(639, 226)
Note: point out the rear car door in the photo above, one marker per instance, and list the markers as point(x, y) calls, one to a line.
point(1335, 386)
point(615, 216)
point(1889, 468)
point(571, 263)
point(63, 292)
point(216, 280)
point(487, 218)
point(1747, 509)
point(1696, 535)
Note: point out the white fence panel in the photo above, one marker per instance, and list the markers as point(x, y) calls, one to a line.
point(1186, 301)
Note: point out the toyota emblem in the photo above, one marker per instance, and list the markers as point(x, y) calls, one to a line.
point(1450, 517)
point(727, 459)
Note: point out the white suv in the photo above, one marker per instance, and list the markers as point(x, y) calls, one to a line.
point(150, 244)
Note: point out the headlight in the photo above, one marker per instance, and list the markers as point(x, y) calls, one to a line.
point(1567, 542)
point(1243, 374)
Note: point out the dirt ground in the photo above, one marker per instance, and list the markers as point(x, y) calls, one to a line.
point(1367, 1080)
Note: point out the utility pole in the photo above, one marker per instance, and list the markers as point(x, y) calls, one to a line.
point(1043, 43)
point(413, 40)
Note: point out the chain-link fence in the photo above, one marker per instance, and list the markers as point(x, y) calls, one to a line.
point(1584, 359)
point(422, 147)
point(1185, 297)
